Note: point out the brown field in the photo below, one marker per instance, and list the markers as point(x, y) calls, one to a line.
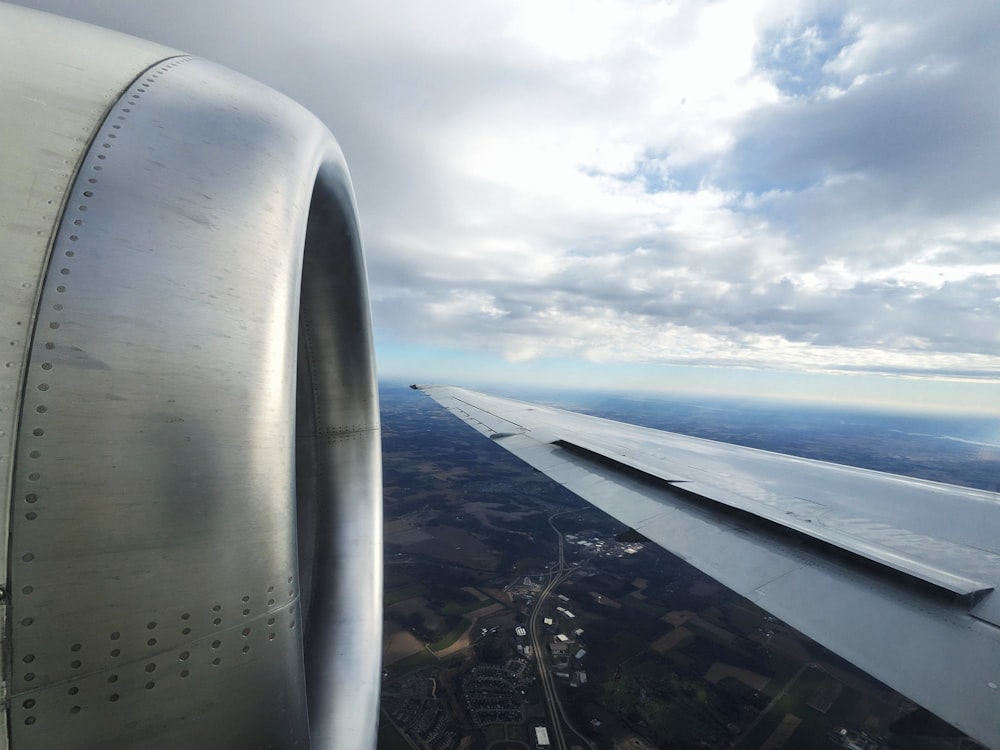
point(602, 599)
point(408, 537)
point(398, 643)
point(480, 510)
point(393, 527)
point(445, 475)
point(633, 743)
point(783, 733)
point(671, 640)
point(719, 671)
point(825, 695)
point(710, 627)
point(464, 640)
point(458, 546)
point(432, 620)
point(679, 617)
point(476, 593)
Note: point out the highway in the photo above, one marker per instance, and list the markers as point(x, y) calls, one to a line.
point(557, 715)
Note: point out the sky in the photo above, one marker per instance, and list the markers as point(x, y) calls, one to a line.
point(787, 199)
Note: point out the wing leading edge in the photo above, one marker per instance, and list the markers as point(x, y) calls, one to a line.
point(895, 574)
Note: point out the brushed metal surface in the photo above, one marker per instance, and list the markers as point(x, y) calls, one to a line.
point(156, 596)
point(942, 651)
point(336, 365)
point(57, 80)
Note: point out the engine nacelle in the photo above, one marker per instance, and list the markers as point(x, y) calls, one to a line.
point(188, 407)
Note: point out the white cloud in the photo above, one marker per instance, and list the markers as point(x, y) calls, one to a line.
point(808, 186)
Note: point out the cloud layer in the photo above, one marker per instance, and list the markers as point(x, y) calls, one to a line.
point(803, 186)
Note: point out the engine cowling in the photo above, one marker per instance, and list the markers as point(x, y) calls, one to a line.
point(189, 407)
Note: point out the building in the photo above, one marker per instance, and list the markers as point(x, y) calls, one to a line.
point(542, 737)
point(559, 649)
point(520, 631)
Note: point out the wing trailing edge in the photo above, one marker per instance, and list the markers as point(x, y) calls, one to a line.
point(895, 574)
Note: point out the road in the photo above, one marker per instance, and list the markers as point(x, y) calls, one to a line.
point(556, 713)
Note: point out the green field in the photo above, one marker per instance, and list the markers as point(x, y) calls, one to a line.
point(389, 737)
point(402, 593)
point(414, 661)
point(462, 608)
point(812, 731)
point(451, 636)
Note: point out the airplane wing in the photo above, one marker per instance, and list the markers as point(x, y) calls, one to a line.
point(895, 574)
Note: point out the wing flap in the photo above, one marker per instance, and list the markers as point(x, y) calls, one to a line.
point(880, 569)
point(801, 517)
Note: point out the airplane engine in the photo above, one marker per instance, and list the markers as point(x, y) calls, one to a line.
point(188, 409)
